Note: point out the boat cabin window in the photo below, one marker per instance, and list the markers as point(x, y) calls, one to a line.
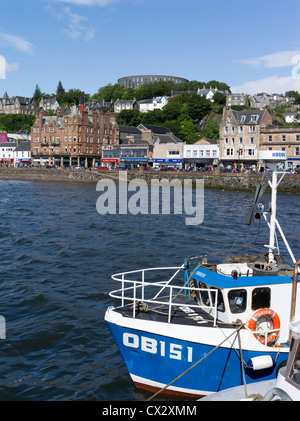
point(237, 300)
point(261, 298)
point(207, 297)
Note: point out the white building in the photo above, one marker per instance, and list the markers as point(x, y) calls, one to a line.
point(204, 153)
point(167, 151)
point(22, 154)
point(157, 103)
point(7, 153)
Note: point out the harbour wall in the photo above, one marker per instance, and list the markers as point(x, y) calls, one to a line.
point(225, 181)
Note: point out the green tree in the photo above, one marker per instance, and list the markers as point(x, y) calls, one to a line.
point(198, 107)
point(60, 93)
point(219, 98)
point(172, 110)
point(37, 95)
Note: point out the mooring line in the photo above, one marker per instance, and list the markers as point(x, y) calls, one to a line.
point(194, 365)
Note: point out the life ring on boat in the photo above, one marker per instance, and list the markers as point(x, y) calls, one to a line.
point(274, 320)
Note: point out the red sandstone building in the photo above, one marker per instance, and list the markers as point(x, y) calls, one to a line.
point(73, 139)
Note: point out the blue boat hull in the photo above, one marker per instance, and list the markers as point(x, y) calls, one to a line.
point(154, 361)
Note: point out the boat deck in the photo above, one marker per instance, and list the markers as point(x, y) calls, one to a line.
point(181, 314)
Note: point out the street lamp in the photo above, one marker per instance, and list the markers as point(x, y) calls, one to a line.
point(240, 151)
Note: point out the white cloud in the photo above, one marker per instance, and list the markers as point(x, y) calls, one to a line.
point(274, 60)
point(16, 42)
point(76, 24)
point(272, 84)
point(12, 67)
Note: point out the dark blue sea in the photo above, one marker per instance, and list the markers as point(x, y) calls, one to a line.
point(57, 257)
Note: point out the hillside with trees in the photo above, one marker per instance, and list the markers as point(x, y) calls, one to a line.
point(188, 116)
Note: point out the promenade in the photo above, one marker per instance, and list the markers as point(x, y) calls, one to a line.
point(224, 181)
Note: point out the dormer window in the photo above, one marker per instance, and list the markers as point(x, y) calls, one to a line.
point(254, 118)
point(243, 119)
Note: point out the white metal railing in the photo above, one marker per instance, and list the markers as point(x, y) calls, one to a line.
point(135, 291)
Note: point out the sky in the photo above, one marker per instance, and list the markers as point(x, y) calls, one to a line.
point(87, 44)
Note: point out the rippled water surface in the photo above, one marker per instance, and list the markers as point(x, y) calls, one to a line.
point(57, 256)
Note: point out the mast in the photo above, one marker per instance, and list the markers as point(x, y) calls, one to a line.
point(273, 210)
point(272, 158)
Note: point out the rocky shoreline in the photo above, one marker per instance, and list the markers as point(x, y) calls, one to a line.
point(225, 181)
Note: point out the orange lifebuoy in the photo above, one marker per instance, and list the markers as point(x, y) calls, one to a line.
point(274, 320)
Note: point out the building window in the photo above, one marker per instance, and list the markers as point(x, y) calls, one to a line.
point(297, 151)
point(252, 140)
point(195, 153)
point(270, 138)
point(297, 138)
point(229, 152)
point(241, 140)
point(283, 137)
point(226, 140)
point(188, 153)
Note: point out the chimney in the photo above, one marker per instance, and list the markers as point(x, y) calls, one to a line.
point(85, 116)
point(81, 104)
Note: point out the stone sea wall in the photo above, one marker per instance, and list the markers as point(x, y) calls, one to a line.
point(290, 183)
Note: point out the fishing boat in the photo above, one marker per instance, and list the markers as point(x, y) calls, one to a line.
point(200, 328)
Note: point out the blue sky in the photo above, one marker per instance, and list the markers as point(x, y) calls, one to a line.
point(252, 46)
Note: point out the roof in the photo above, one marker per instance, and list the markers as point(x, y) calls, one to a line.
point(211, 141)
point(170, 138)
point(222, 281)
point(129, 129)
point(154, 129)
point(249, 116)
point(125, 101)
point(8, 144)
point(24, 146)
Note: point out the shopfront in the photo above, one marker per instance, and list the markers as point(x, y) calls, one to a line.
point(163, 164)
point(133, 163)
point(110, 163)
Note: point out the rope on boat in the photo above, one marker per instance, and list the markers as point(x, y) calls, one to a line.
point(194, 365)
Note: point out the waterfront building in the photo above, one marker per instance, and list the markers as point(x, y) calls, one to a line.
point(167, 151)
point(240, 133)
point(283, 139)
point(22, 154)
point(3, 137)
point(72, 139)
point(7, 153)
point(17, 105)
point(131, 153)
point(202, 154)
